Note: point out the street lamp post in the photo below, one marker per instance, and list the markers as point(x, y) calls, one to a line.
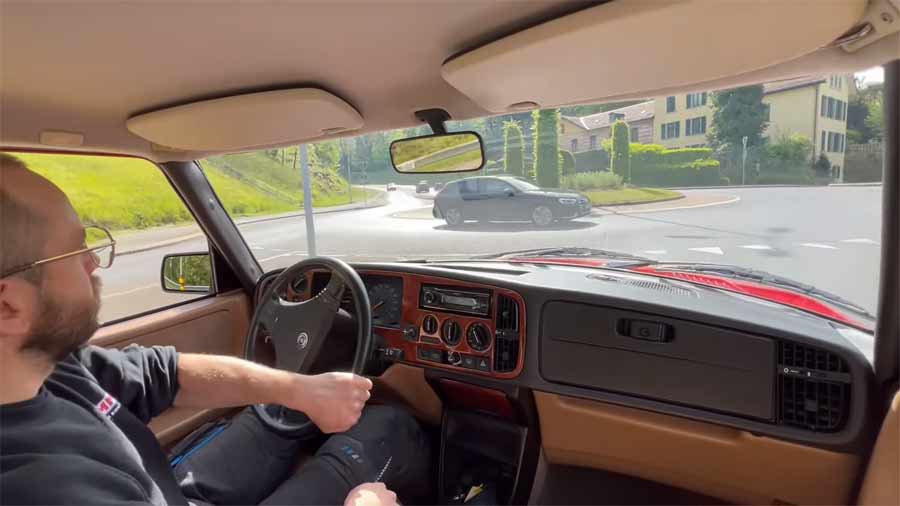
point(744, 161)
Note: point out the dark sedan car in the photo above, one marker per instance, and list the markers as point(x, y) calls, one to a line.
point(504, 198)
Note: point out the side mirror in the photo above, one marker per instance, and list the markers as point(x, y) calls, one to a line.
point(509, 192)
point(438, 154)
point(186, 273)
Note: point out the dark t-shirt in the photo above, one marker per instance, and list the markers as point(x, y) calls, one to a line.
point(84, 440)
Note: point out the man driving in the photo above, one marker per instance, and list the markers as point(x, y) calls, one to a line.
point(73, 416)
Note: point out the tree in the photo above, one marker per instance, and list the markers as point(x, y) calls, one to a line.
point(620, 156)
point(567, 162)
point(875, 119)
point(588, 109)
point(738, 113)
point(513, 149)
point(546, 147)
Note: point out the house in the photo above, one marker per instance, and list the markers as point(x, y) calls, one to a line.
point(586, 133)
point(815, 107)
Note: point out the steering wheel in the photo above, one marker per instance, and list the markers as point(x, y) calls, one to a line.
point(298, 330)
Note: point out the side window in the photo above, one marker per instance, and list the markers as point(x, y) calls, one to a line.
point(494, 186)
point(134, 201)
point(468, 186)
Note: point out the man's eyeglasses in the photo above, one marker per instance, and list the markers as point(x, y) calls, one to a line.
point(98, 243)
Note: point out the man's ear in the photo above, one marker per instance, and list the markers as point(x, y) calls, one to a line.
point(18, 308)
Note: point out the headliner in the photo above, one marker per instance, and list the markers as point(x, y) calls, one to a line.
point(86, 67)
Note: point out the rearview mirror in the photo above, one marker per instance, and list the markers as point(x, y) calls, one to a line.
point(437, 154)
point(186, 273)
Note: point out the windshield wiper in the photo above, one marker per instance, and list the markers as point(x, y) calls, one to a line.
point(765, 278)
point(570, 252)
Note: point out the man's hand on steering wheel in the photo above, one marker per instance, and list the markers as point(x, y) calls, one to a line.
point(333, 401)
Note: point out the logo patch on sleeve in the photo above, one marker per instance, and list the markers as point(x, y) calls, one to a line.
point(108, 406)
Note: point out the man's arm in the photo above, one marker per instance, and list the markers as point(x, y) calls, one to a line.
point(333, 401)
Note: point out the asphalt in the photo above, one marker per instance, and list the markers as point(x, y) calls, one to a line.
point(826, 236)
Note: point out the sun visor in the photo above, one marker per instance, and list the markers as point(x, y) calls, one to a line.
point(638, 46)
point(247, 121)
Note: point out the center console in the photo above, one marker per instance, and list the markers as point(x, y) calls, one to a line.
point(454, 325)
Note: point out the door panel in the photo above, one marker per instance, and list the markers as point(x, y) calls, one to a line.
point(214, 325)
point(721, 462)
point(881, 484)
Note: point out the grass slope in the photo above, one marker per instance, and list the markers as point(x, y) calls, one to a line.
point(127, 193)
point(629, 196)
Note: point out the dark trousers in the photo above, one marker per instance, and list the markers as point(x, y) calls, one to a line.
point(248, 463)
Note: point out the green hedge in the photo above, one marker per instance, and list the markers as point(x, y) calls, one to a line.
point(655, 154)
point(696, 173)
point(784, 178)
point(567, 162)
point(592, 161)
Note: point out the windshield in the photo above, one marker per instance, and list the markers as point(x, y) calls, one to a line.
point(781, 177)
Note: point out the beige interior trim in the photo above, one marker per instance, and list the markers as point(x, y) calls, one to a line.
point(587, 55)
point(242, 122)
point(407, 385)
point(881, 485)
point(215, 325)
point(717, 461)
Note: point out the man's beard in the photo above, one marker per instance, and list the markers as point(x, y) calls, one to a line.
point(62, 328)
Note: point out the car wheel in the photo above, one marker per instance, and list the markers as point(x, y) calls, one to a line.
point(542, 216)
point(453, 216)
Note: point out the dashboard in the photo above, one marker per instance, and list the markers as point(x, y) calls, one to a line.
point(627, 339)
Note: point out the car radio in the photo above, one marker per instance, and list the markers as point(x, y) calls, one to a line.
point(453, 300)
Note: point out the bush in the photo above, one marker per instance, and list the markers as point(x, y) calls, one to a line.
point(592, 161)
point(620, 156)
point(567, 162)
point(823, 166)
point(513, 149)
point(592, 181)
point(724, 181)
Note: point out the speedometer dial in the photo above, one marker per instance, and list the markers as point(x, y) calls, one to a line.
point(387, 303)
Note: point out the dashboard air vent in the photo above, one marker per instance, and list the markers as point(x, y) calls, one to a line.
point(660, 285)
point(506, 347)
point(813, 388)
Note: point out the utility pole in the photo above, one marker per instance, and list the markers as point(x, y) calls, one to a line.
point(307, 202)
point(744, 161)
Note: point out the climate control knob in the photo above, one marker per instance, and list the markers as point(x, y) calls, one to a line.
point(451, 333)
point(430, 324)
point(478, 337)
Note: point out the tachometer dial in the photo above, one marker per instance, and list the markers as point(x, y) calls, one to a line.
point(387, 304)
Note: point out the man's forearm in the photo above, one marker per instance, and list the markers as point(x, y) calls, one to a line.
point(215, 381)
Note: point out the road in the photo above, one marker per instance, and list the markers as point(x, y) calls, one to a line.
point(825, 236)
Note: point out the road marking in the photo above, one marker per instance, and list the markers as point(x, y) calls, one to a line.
point(610, 210)
point(715, 250)
point(756, 246)
point(817, 245)
point(257, 248)
point(278, 249)
point(655, 252)
point(861, 241)
point(126, 292)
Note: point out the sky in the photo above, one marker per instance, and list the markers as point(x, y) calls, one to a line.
point(872, 75)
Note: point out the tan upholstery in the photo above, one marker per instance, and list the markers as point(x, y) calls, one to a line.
point(881, 484)
point(717, 461)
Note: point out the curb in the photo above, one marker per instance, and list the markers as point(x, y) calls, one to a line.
point(381, 201)
point(638, 202)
